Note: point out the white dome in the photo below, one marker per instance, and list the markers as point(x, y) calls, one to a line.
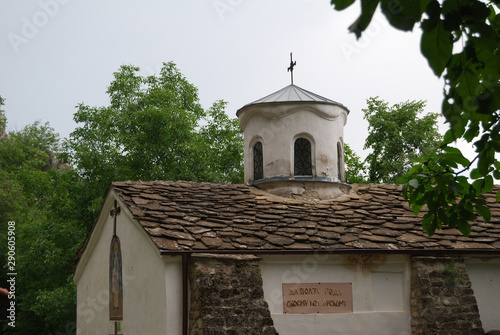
point(293, 142)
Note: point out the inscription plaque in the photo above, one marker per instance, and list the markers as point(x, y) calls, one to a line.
point(323, 298)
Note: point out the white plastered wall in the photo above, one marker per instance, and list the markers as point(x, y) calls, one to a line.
point(380, 288)
point(277, 126)
point(484, 274)
point(146, 287)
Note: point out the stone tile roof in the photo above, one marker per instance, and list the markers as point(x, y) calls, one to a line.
point(207, 216)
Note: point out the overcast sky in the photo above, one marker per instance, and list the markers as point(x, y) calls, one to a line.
point(55, 54)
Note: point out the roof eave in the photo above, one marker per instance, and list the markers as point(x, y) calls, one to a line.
point(276, 103)
point(413, 252)
point(313, 99)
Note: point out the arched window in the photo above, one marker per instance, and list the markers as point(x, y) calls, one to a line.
point(258, 162)
point(339, 161)
point(302, 157)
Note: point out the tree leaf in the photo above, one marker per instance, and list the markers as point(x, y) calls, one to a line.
point(413, 183)
point(394, 11)
point(436, 45)
point(341, 4)
point(367, 9)
point(488, 184)
point(403, 14)
point(484, 212)
point(475, 174)
point(416, 209)
point(449, 137)
point(454, 155)
point(464, 227)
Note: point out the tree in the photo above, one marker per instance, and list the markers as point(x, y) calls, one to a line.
point(154, 128)
point(355, 168)
point(471, 102)
point(222, 145)
point(44, 202)
point(397, 136)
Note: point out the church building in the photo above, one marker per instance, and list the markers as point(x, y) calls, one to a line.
point(293, 250)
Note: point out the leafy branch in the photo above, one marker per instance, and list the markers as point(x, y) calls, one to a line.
point(471, 103)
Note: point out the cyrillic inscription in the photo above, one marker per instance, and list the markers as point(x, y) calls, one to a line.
point(324, 298)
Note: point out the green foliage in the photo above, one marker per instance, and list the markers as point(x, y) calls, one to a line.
point(154, 128)
point(397, 136)
point(220, 141)
point(46, 256)
point(471, 102)
point(40, 137)
point(45, 204)
point(30, 148)
point(356, 171)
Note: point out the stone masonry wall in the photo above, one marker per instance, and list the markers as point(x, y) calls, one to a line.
point(442, 301)
point(227, 296)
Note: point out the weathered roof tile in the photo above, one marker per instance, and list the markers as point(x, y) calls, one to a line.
point(211, 242)
point(201, 216)
point(378, 238)
point(346, 238)
point(412, 238)
point(279, 240)
point(164, 243)
point(250, 241)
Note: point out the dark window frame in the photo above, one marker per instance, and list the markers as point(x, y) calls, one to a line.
point(302, 154)
point(258, 161)
point(340, 157)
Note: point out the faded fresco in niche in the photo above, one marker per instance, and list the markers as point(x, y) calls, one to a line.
point(115, 281)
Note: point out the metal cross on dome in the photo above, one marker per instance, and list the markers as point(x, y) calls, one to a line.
point(290, 68)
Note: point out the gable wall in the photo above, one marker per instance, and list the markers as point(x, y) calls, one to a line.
point(144, 289)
